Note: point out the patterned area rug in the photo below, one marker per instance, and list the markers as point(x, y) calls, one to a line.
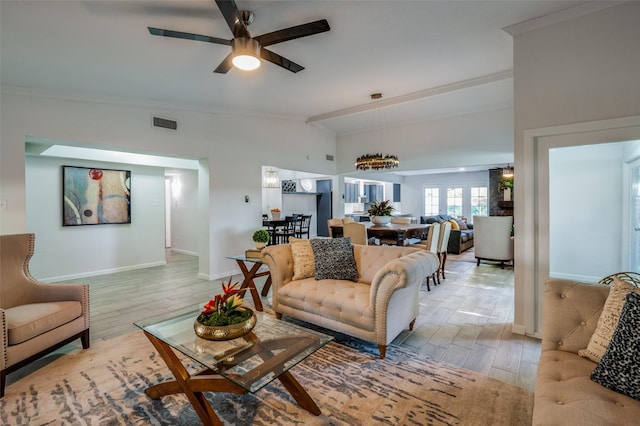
point(105, 385)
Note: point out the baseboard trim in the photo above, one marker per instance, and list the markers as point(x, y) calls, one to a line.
point(190, 253)
point(102, 272)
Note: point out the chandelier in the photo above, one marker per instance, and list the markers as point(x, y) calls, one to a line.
point(376, 162)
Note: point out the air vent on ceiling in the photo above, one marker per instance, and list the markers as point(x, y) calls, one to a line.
point(165, 123)
point(329, 157)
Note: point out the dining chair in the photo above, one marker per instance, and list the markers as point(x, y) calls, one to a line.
point(303, 225)
point(333, 222)
point(431, 244)
point(348, 220)
point(288, 229)
point(401, 220)
point(356, 231)
point(443, 244)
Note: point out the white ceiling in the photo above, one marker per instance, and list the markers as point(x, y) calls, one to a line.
point(428, 58)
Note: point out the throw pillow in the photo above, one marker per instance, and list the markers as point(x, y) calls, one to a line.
point(462, 224)
point(608, 320)
point(619, 369)
point(454, 224)
point(334, 259)
point(303, 260)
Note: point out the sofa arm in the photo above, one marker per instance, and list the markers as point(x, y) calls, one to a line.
point(279, 260)
point(5, 340)
point(405, 271)
point(570, 314)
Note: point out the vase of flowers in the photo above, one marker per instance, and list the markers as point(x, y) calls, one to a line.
point(224, 317)
point(380, 212)
point(275, 214)
point(261, 238)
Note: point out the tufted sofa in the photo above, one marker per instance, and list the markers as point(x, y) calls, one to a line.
point(376, 308)
point(459, 239)
point(564, 393)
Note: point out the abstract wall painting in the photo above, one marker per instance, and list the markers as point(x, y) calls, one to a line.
point(95, 196)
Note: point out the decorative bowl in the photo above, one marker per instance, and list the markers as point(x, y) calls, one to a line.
point(225, 332)
point(381, 220)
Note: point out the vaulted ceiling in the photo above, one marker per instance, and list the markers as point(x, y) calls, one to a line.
point(428, 58)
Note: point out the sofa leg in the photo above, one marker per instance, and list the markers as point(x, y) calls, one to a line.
point(86, 342)
point(411, 324)
point(278, 315)
point(478, 264)
point(3, 380)
point(383, 351)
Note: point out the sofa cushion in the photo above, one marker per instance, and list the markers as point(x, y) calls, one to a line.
point(566, 396)
point(25, 322)
point(346, 301)
point(454, 224)
point(303, 260)
point(619, 369)
point(334, 259)
point(608, 320)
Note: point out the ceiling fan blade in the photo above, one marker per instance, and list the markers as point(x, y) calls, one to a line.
point(283, 62)
point(188, 36)
point(233, 17)
point(225, 65)
point(291, 33)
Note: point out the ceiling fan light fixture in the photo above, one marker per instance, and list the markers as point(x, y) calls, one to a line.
point(246, 53)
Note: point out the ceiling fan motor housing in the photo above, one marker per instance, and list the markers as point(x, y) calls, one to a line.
point(245, 46)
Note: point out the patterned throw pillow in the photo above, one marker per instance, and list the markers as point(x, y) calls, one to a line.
point(608, 320)
point(619, 369)
point(462, 224)
point(334, 259)
point(303, 260)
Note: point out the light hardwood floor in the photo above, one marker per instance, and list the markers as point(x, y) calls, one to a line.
point(465, 321)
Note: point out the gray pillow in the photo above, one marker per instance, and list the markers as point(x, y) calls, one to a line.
point(619, 368)
point(334, 259)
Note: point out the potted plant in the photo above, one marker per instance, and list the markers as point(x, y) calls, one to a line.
point(380, 212)
point(275, 214)
point(261, 238)
point(505, 186)
point(224, 317)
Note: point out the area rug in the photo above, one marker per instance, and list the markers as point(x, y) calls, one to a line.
point(105, 385)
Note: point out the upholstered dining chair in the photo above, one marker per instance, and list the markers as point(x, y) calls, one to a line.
point(37, 318)
point(443, 243)
point(348, 220)
point(333, 222)
point(401, 220)
point(431, 244)
point(356, 231)
point(492, 238)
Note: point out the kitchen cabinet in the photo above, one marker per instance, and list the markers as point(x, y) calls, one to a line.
point(396, 192)
point(374, 193)
point(351, 192)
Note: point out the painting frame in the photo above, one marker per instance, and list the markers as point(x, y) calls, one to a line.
point(95, 196)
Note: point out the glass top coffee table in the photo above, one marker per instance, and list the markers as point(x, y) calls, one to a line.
point(241, 365)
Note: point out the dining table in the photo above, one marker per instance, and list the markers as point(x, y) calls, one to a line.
point(401, 233)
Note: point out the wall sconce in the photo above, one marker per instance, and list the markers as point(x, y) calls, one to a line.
point(271, 179)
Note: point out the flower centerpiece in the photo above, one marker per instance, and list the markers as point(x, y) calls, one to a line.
point(380, 212)
point(261, 238)
point(224, 317)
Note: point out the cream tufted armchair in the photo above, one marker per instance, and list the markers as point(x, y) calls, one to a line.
point(36, 318)
point(376, 308)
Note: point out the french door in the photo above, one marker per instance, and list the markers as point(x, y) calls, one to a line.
point(634, 261)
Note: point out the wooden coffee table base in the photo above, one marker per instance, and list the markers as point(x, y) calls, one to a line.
point(208, 381)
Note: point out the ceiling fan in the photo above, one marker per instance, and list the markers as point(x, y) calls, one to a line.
point(246, 50)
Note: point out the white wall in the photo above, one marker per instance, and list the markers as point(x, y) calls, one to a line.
point(64, 252)
point(579, 70)
point(184, 212)
point(585, 195)
point(232, 150)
